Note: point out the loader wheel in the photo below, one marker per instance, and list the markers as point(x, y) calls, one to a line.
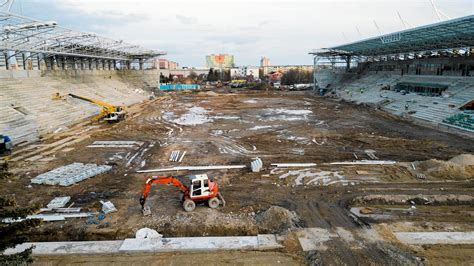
point(189, 205)
point(213, 203)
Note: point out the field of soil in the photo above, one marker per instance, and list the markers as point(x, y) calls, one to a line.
point(233, 127)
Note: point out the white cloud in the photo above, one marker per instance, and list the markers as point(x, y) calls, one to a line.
point(282, 30)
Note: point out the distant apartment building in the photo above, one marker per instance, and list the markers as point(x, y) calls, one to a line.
point(284, 68)
point(264, 61)
point(166, 64)
point(220, 61)
point(245, 72)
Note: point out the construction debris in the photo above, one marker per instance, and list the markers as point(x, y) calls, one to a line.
point(50, 217)
point(193, 168)
point(70, 174)
point(115, 144)
point(58, 202)
point(175, 156)
point(371, 154)
point(256, 165)
point(145, 232)
point(292, 165)
point(420, 176)
point(107, 206)
point(364, 162)
point(182, 156)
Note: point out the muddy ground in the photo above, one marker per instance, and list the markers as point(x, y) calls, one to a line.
point(232, 127)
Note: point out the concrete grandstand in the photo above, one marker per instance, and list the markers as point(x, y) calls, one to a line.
point(423, 73)
point(39, 59)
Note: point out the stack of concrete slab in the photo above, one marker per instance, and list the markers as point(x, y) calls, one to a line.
point(70, 174)
point(58, 202)
point(115, 144)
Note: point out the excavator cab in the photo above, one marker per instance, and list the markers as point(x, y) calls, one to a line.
point(118, 115)
point(199, 186)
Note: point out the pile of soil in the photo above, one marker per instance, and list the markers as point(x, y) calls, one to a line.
point(277, 220)
point(459, 167)
point(463, 159)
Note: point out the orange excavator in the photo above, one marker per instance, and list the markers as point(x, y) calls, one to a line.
point(200, 190)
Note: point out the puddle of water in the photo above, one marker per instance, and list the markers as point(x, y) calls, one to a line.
point(250, 101)
point(286, 114)
point(259, 127)
point(195, 116)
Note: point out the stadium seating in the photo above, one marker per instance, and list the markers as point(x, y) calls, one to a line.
point(372, 87)
point(461, 120)
point(29, 110)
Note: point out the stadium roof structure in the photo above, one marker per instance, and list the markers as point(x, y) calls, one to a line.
point(24, 34)
point(450, 34)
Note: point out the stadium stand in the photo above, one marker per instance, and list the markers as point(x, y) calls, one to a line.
point(41, 59)
point(425, 73)
point(29, 110)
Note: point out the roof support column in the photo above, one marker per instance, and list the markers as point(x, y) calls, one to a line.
point(348, 63)
point(140, 63)
point(11, 60)
point(54, 62)
point(315, 62)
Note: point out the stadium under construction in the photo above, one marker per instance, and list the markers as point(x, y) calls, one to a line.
point(375, 165)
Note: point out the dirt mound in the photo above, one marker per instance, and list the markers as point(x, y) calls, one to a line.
point(277, 219)
point(463, 159)
point(211, 93)
point(459, 167)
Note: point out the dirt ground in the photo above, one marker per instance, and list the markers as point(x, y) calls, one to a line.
point(233, 127)
point(217, 258)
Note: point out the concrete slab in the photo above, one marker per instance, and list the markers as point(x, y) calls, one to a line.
point(191, 244)
point(314, 238)
point(433, 238)
point(260, 242)
point(268, 241)
point(74, 247)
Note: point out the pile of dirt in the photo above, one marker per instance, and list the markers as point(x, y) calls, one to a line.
point(276, 220)
point(463, 159)
point(459, 167)
point(210, 93)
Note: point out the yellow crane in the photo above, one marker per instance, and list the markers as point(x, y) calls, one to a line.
point(109, 112)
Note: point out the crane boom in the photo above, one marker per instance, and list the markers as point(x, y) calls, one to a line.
point(92, 101)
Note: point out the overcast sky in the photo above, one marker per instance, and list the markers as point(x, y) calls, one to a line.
point(283, 30)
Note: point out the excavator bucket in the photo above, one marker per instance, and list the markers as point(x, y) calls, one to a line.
point(145, 209)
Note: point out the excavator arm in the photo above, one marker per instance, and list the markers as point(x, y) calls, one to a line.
point(106, 105)
point(109, 112)
point(163, 180)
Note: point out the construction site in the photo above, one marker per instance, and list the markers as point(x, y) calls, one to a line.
point(354, 171)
